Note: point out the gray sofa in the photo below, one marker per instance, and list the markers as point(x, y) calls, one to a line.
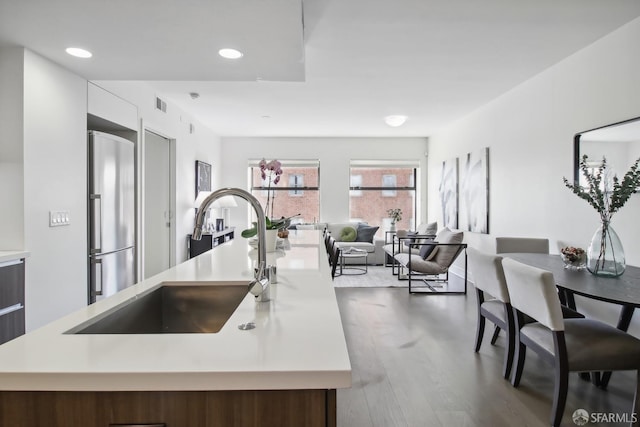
point(374, 247)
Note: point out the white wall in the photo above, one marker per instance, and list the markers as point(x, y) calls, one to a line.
point(334, 155)
point(202, 145)
point(11, 151)
point(54, 179)
point(529, 132)
point(43, 123)
point(43, 160)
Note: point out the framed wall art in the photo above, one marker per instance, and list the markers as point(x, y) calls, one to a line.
point(449, 193)
point(475, 190)
point(203, 177)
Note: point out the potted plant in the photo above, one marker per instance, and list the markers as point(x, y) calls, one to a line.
point(395, 215)
point(271, 172)
point(271, 224)
point(605, 256)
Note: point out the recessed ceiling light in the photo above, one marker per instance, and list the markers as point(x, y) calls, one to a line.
point(230, 53)
point(79, 53)
point(395, 120)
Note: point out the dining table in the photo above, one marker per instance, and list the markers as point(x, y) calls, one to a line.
point(623, 290)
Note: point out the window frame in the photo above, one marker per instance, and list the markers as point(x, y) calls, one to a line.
point(393, 192)
point(355, 193)
point(280, 187)
point(384, 165)
point(299, 189)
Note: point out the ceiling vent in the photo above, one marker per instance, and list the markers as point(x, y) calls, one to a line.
point(161, 105)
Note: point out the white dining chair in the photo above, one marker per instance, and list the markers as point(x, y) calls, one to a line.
point(570, 345)
point(522, 244)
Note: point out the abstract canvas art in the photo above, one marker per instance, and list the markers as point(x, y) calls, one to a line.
point(203, 177)
point(449, 193)
point(475, 190)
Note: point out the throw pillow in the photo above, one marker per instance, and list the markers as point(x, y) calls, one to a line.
point(445, 254)
point(348, 234)
point(432, 229)
point(428, 229)
point(428, 251)
point(366, 233)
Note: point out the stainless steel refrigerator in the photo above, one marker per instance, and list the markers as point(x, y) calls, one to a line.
point(111, 214)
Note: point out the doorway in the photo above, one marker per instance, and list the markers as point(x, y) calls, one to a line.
point(157, 214)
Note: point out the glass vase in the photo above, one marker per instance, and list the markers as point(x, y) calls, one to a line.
point(605, 256)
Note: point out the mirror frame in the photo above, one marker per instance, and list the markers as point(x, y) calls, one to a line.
point(576, 145)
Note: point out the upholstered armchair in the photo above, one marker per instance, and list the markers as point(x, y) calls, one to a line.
point(424, 232)
point(432, 262)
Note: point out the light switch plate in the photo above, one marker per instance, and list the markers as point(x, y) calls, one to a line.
point(58, 218)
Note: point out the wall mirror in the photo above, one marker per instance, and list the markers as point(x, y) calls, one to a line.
point(618, 142)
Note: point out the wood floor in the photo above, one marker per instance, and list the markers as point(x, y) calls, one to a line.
point(414, 365)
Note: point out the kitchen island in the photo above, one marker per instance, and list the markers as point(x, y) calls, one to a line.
point(283, 372)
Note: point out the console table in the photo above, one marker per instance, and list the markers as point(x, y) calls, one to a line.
point(208, 241)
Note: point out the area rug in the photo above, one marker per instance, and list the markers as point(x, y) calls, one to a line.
point(376, 277)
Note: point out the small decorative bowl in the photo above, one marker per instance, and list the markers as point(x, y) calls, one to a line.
point(572, 262)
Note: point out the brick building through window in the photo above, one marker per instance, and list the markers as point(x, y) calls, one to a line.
point(297, 192)
point(377, 187)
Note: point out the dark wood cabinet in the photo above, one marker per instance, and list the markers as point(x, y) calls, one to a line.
point(12, 323)
point(209, 241)
point(257, 408)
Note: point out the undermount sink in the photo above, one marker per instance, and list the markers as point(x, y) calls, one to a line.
point(172, 308)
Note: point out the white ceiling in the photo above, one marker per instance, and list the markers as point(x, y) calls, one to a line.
point(316, 67)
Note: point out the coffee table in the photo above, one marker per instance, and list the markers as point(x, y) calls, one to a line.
point(353, 254)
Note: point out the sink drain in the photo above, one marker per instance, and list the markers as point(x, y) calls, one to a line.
point(246, 326)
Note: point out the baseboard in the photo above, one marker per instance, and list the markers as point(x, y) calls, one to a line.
point(459, 272)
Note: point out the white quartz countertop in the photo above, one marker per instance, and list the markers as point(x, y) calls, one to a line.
point(8, 256)
point(298, 341)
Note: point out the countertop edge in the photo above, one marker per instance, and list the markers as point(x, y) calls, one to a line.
point(8, 256)
point(177, 381)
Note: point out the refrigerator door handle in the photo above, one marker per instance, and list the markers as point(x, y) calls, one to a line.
point(98, 271)
point(96, 199)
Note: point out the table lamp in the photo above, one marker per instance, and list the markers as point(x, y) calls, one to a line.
point(196, 204)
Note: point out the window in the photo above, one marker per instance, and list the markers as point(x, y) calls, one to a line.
point(296, 181)
point(377, 186)
point(356, 182)
point(297, 193)
point(389, 181)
